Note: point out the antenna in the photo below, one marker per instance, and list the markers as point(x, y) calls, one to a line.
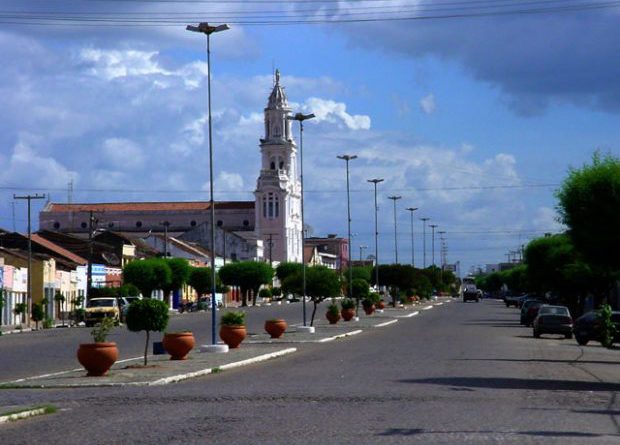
point(70, 192)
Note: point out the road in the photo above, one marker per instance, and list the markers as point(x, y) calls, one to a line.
point(458, 374)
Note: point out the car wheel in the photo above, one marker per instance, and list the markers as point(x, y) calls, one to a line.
point(536, 334)
point(582, 340)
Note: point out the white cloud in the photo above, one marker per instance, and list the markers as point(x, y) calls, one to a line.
point(546, 220)
point(226, 182)
point(428, 105)
point(122, 153)
point(336, 112)
point(26, 167)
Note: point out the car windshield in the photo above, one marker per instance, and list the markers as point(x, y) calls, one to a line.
point(101, 303)
point(553, 310)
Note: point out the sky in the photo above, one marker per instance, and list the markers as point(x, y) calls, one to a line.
point(473, 111)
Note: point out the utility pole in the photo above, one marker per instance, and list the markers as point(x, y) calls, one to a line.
point(376, 181)
point(424, 238)
point(165, 224)
point(433, 227)
point(29, 198)
point(13, 212)
point(92, 222)
point(347, 159)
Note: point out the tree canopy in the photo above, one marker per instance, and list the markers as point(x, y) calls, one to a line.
point(248, 275)
point(148, 275)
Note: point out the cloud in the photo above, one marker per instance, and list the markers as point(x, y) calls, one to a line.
point(534, 60)
point(546, 219)
point(336, 112)
point(226, 182)
point(123, 153)
point(427, 104)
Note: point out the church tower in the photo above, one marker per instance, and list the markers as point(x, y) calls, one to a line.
point(278, 190)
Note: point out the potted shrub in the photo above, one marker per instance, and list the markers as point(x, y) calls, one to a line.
point(369, 305)
point(348, 309)
point(178, 344)
point(232, 328)
point(276, 327)
point(147, 315)
point(332, 314)
point(98, 357)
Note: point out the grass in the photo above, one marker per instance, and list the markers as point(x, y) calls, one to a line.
point(216, 370)
point(47, 409)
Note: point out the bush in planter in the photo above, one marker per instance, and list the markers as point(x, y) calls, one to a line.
point(37, 313)
point(99, 356)
point(347, 303)
point(233, 319)
point(147, 315)
point(333, 313)
point(232, 330)
point(367, 302)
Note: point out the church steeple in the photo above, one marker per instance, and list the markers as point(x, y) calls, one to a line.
point(278, 208)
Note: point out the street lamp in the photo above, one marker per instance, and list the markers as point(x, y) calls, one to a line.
point(206, 29)
point(424, 237)
point(362, 248)
point(375, 181)
point(301, 118)
point(433, 226)
point(395, 198)
point(412, 209)
point(348, 158)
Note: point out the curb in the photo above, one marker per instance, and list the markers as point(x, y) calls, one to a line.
point(346, 334)
point(202, 372)
point(413, 314)
point(387, 323)
point(23, 415)
point(427, 308)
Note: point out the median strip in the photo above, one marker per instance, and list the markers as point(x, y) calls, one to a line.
point(26, 413)
point(386, 323)
point(346, 334)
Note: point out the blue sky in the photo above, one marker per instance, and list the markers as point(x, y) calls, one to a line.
point(445, 110)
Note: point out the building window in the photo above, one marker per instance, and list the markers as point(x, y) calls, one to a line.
point(271, 206)
point(220, 223)
point(56, 225)
point(273, 165)
point(192, 223)
point(139, 224)
point(246, 223)
point(110, 225)
point(83, 225)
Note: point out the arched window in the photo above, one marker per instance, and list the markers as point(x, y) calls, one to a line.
point(271, 206)
point(56, 225)
point(84, 225)
point(273, 165)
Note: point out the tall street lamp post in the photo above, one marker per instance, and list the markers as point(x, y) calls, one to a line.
point(348, 158)
point(301, 118)
point(433, 226)
point(206, 29)
point(412, 209)
point(376, 181)
point(395, 198)
point(424, 238)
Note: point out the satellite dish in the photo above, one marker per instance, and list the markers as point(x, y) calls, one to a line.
point(111, 258)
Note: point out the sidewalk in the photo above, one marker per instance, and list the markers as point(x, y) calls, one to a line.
point(256, 348)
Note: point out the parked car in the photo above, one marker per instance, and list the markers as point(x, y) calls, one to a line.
point(529, 310)
point(512, 300)
point(587, 327)
point(99, 308)
point(553, 320)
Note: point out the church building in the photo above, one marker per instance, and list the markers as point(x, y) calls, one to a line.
point(268, 228)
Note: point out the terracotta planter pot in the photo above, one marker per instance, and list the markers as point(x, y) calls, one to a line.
point(381, 304)
point(369, 309)
point(232, 335)
point(333, 318)
point(347, 314)
point(97, 358)
point(178, 344)
point(275, 328)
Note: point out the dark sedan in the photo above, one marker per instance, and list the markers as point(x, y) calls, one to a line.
point(587, 327)
point(553, 320)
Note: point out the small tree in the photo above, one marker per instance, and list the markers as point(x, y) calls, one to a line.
point(265, 293)
point(148, 275)
point(179, 274)
point(147, 315)
point(359, 290)
point(37, 313)
point(248, 275)
point(59, 298)
point(607, 327)
point(321, 283)
point(200, 279)
point(20, 310)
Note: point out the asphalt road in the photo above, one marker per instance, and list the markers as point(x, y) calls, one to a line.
point(457, 374)
point(51, 350)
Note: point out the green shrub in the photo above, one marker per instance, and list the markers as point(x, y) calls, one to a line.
point(367, 302)
point(276, 292)
point(48, 323)
point(100, 331)
point(147, 315)
point(607, 328)
point(332, 309)
point(265, 293)
point(37, 313)
point(233, 318)
point(347, 303)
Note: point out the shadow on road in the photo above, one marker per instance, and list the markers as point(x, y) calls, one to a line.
point(541, 360)
point(418, 431)
point(516, 383)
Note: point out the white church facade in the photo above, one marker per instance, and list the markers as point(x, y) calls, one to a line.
point(268, 228)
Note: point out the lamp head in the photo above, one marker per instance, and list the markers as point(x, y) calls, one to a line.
point(205, 28)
